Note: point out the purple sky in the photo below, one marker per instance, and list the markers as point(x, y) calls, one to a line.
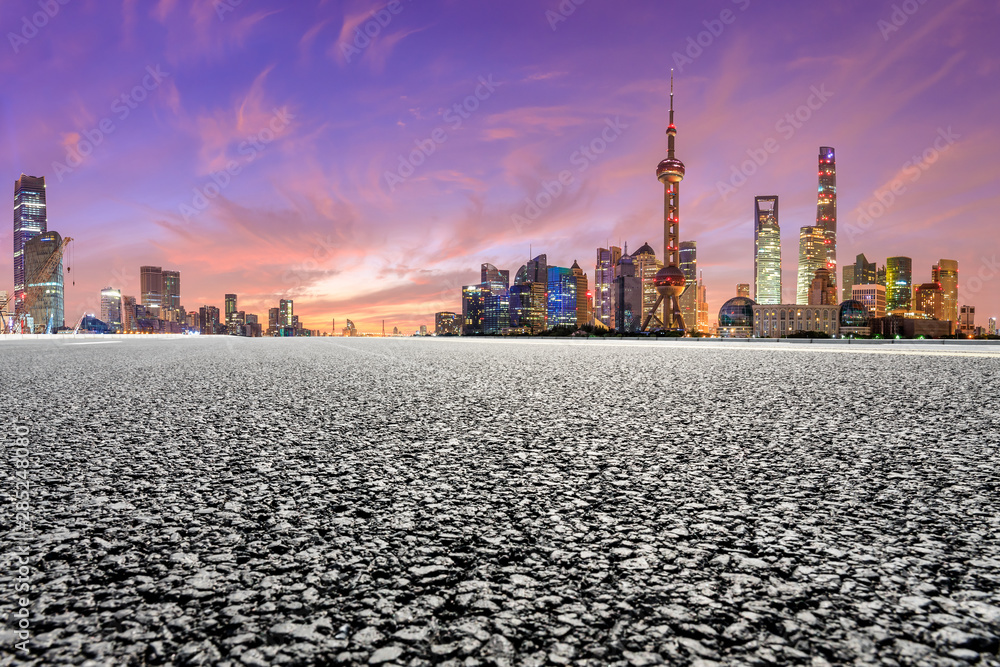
point(311, 118)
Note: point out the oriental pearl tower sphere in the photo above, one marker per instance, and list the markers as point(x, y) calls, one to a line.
point(670, 281)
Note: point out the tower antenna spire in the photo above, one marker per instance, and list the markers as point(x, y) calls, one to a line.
point(671, 95)
point(671, 128)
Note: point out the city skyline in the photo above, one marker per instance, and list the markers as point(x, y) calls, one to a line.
point(329, 230)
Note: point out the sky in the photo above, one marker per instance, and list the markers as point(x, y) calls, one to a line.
point(364, 158)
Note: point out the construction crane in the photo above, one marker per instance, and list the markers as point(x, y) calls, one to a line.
point(31, 294)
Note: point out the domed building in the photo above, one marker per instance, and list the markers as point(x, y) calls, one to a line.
point(736, 318)
point(855, 319)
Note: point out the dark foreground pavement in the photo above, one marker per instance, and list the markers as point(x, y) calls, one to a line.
point(270, 502)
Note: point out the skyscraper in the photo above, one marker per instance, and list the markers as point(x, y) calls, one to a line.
point(826, 208)
point(847, 283)
point(496, 299)
point(670, 281)
point(562, 297)
point(128, 314)
point(929, 299)
point(967, 321)
point(898, 283)
point(30, 220)
point(446, 323)
point(286, 313)
point(171, 301)
point(865, 272)
point(743, 290)
point(111, 308)
point(702, 306)
point(583, 314)
point(627, 297)
point(812, 257)
point(767, 251)
point(151, 289)
point(47, 307)
point(528, 296)
point(472, 310)
point(604, 278)
point(689, 267)
point(208, 320)
point(946, 273)
point(646, 267)
point(231, 310)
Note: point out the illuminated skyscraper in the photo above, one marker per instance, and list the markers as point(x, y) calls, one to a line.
point(528, 296)
point(646, 267)
point(967, 321)
point(898, 283)
point(812, 257)
point(627, 297)
point(689, 267)
point(128, 314)
point(30, 220)
point(171, 296)
point(208, 320)
point(670, 281)
point(991, 329)
point(743, 290)
point(946, 273)
point(231, 311)
point(496, 299)
point(826, 209)
point(865, 272)
point(604, 278)
point(929, 299)
point(562, 297)
point(111, 308)
point(583, 314)
point(472, 309)
point(286, 313)
point(767, 251)
point(446, 324)
point(702, 306)
point(47, 308)
point(847, 283)
point(872, 296)
point(151, 289)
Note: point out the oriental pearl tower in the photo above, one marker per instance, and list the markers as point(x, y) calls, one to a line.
point(669, 281)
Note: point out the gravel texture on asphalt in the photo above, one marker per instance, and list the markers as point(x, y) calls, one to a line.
point(411, 502)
